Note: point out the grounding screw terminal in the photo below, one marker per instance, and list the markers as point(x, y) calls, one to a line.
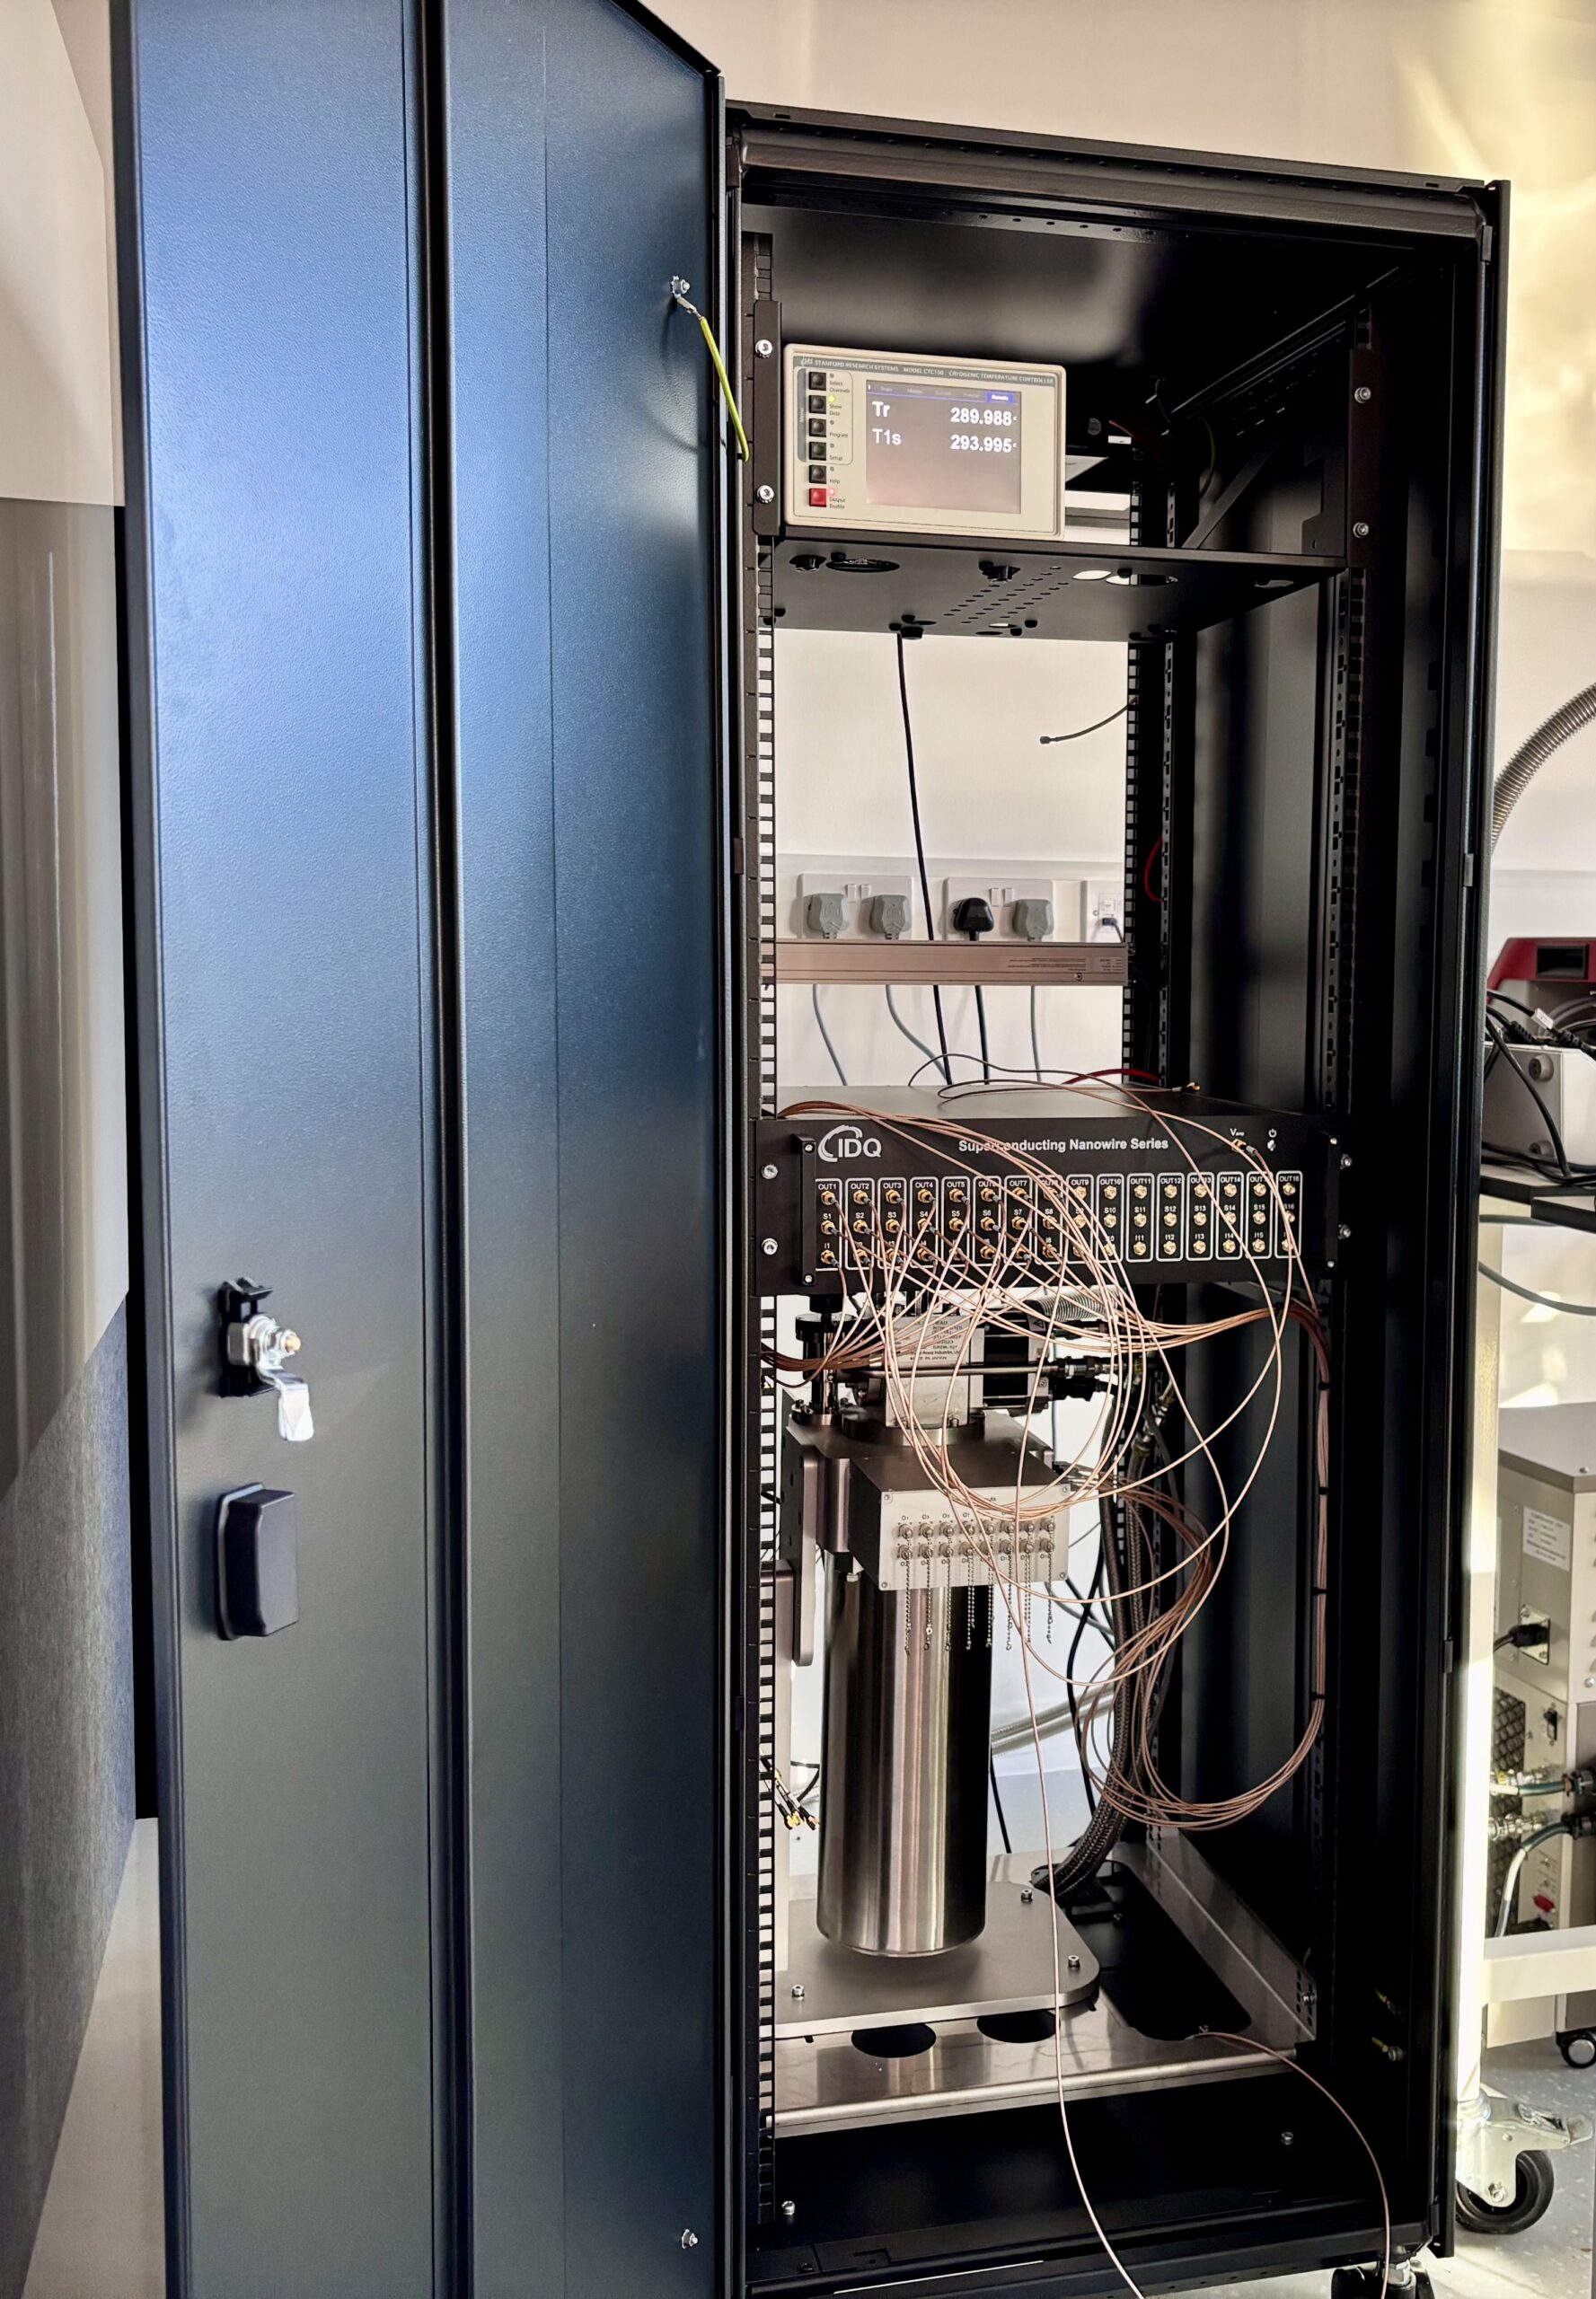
point(766, 494)
point(1363, 394)
point(768, 1246)
point(1360, 528)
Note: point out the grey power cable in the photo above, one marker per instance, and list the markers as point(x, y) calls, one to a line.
point(929, 1052)
point(1515, 1869)
point(1035, 1037)
point(1527, 760)
point(925, 884)
point(826, 1034)
point(1541, 1300)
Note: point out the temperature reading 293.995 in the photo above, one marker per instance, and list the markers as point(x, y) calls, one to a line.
point(942, 449)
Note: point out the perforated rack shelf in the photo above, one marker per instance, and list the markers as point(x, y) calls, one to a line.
point(1002, 589)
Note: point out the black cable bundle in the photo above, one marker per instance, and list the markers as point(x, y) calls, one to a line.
point(1133, 1606)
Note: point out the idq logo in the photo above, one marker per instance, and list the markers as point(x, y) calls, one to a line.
point(844, 1144)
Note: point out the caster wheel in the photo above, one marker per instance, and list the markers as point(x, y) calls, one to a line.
point(1532, 2193)
point(1578, 2047)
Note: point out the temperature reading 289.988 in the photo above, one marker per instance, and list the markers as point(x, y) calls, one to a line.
point(942, 448)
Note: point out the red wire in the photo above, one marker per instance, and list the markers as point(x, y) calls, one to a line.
point(1148, 888)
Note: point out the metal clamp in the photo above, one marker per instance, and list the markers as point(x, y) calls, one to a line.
point(255, 1351)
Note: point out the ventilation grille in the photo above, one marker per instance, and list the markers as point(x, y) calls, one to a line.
point(1510, 1741)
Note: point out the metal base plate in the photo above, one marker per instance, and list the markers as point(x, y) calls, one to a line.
point(1009, 1968)
point(825, 2083)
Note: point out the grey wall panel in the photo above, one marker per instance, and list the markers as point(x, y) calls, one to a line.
point(274, 582)
point(580, 160)
point(65, 1767)
point(63, 1116)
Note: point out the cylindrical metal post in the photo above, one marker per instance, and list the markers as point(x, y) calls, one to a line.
point(903, 1766)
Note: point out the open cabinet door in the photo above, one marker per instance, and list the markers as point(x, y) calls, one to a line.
point(423, 712)
point(586, 455)
point(279, 871)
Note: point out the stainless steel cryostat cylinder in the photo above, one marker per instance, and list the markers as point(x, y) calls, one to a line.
point(903, 1766)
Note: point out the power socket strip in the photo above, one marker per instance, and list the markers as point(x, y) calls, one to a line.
point(857, 891)
point(1002, 894)
point(1102, 910)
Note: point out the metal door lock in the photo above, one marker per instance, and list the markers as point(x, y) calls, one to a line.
point(255, 1351)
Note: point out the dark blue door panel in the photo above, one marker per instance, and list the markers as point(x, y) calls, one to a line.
point(581, 178)
point(283, 927)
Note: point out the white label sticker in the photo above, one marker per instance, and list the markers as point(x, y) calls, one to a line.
point(1549, 1539)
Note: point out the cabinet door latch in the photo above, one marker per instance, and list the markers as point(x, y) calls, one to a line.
point(255, 1354)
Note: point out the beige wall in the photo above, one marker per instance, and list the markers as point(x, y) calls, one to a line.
point(57, 425)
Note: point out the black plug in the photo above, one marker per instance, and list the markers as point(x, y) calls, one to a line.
point(974, 917)
point(1073, 1380)
point(1523, 1635)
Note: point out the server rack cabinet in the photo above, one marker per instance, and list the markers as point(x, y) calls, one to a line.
point(1302, 372)
point(447, 609)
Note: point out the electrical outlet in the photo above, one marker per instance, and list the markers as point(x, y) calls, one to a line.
point(1002, 894)
point(1102, 910)
point(858, 890)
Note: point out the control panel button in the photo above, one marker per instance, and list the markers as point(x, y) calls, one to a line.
point(819, 497)
point(816, 474)
point(818, 426)
point(817, 379)
point(817, 403)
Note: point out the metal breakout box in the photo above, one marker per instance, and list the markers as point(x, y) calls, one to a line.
point(1178, 1185)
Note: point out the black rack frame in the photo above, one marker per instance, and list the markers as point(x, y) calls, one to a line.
point(1387, 833)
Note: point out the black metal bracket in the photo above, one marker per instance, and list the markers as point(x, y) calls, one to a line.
point(239, 1300)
